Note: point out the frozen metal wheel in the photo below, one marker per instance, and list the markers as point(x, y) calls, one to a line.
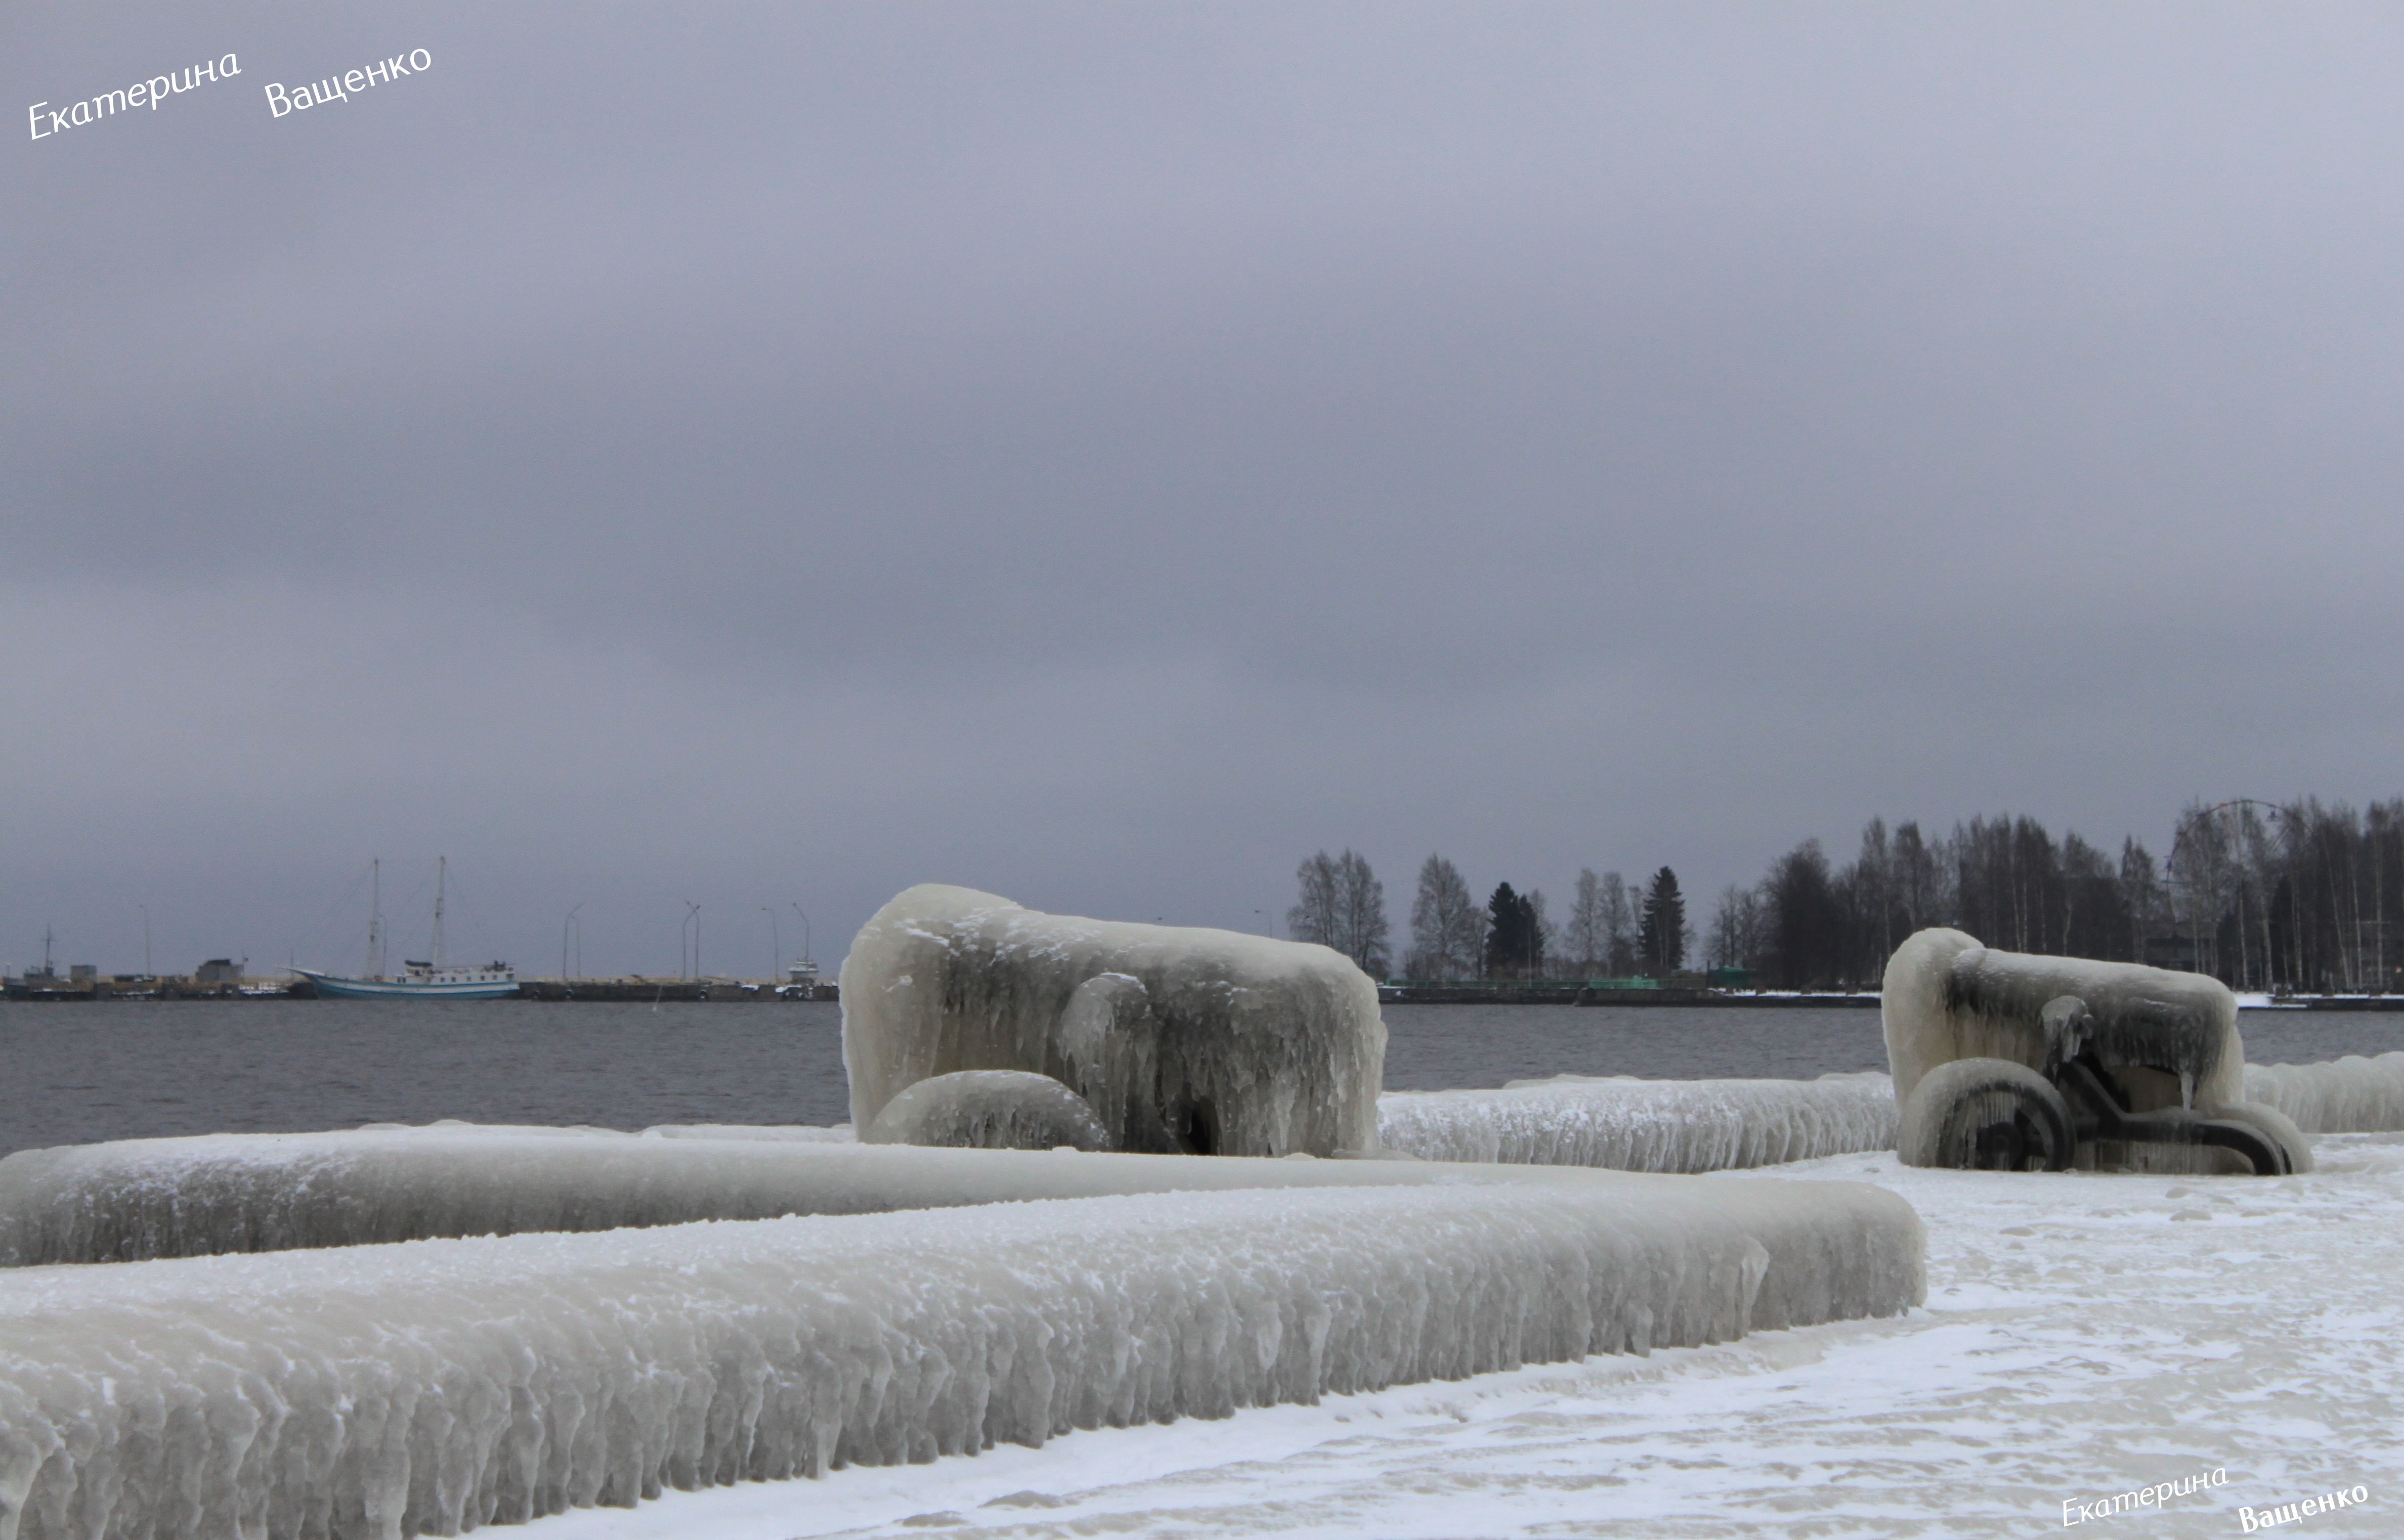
point(1985, 1115)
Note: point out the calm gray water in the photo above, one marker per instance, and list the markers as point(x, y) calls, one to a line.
point(77, 1073)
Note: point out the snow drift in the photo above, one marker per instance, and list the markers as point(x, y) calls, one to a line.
point(1644, 1125)
point(389, 1391)
point(2349, 1095)
point(1202, 1041)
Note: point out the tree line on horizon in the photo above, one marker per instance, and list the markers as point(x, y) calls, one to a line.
point(2301, 896)
point(1612, 927)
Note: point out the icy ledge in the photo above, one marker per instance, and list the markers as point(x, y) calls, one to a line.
point(1644, 1125)
point(2349, 1095)
point(391, 1390)
point(146, 1199)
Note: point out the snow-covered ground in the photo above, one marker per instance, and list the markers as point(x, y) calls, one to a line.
point(2085, 1335)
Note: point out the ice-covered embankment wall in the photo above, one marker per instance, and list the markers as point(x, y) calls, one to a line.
point(2349, 1095)
point(1644, 1125)
point(1204, 1041)
point(387, 1390)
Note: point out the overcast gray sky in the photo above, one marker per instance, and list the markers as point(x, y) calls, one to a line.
point(1098, 453)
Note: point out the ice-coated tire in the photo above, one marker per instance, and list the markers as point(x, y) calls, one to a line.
point(2275, 1126)
point(1985, 1115)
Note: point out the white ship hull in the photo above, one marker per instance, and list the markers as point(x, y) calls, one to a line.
point(437, 987)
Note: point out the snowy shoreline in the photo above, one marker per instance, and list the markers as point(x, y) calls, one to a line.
point(516, 1376)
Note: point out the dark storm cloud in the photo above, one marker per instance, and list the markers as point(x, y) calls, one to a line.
point(1105, 453)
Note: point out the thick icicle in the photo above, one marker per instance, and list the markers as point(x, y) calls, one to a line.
point(1644, 1125)
point(388, 1391)
point(1204, 1041)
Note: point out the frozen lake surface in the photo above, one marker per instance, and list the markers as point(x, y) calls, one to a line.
point(82, 1074)
point(2085, 1335)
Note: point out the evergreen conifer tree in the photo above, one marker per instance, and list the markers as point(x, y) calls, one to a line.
point(1662, 940)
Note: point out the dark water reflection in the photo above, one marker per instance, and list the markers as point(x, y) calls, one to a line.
point(77, 1073)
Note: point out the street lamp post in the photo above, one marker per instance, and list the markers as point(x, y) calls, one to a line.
point(146, 938)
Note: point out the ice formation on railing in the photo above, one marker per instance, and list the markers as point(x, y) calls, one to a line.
point(1206, 1041)
point(2349, 1095)
point(386, 1391)
point(169, 1197)
point(1644, 1125)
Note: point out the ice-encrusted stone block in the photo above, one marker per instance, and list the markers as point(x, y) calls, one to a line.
point(1204, 1041)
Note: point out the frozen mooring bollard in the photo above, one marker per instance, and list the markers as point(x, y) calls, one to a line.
point(1203, 1041)
point(2010, 1062)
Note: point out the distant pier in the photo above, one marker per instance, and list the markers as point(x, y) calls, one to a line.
point(1578, 994)
point(65, 989)
point(655, 991)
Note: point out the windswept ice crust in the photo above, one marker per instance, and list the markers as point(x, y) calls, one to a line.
point(2349, 1095)
point(1644, 1125)
point(388, 1391)
point(1204, 1041)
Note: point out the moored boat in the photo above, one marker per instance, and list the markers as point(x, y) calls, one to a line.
point(421, 981)
point(426, 980)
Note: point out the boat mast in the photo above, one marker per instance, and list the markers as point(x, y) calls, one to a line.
point(375, 914)
point(438, 910)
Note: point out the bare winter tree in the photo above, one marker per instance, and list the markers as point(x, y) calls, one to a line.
point(1547, 935)
point(1917, 874)
point(1618, 926)
point(1873, 888)
point(1313, 916)
point(1735, 939)
point(1448, 925)
point(1584, 938)
point(1361, 915)
point(2140, 895)
point(1342, 906)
